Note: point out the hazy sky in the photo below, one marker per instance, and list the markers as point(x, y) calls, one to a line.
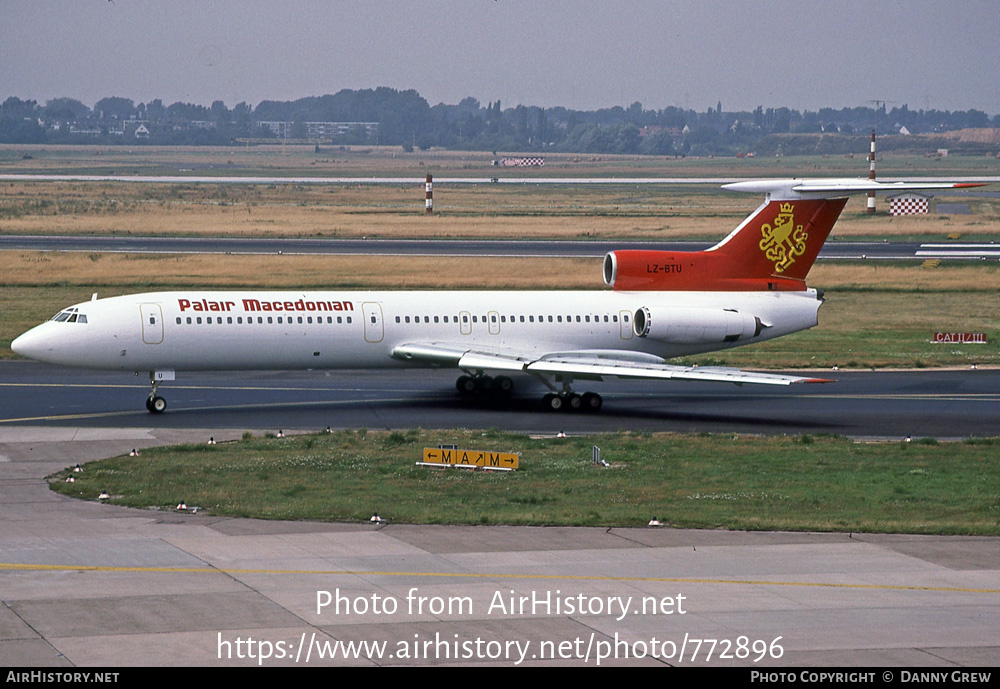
point(584, 54)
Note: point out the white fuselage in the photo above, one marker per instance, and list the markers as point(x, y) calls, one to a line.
point(238, 330)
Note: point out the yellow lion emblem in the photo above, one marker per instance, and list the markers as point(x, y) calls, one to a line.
point(783, 242)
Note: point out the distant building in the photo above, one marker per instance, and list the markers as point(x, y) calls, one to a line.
point(319, 130)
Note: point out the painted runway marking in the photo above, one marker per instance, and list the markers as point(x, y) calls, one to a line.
point(10, 566)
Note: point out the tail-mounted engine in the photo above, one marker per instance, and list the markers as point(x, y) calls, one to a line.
point(687, 325)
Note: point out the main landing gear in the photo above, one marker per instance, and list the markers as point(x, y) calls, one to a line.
point(501, 387)
point(571, 401)
point(484, 386)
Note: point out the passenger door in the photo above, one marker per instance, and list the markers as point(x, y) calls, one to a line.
point(152, 323)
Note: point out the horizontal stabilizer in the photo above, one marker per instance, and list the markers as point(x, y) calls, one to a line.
point(788, 189)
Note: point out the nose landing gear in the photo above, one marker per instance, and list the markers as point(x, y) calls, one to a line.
point(154, 403)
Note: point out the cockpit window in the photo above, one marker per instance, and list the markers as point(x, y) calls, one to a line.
point(71, 315)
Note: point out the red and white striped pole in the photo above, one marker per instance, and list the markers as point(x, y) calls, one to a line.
point(871, 176)
point(429, 195)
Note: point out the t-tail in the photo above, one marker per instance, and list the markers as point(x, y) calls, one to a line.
point(773, 249)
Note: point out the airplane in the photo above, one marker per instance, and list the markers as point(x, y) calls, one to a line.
point(748, 288)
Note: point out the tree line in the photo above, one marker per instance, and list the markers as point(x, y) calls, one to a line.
point(406, 119)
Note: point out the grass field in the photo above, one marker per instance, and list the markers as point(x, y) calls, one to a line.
point(700, 481)
point(392, 161)
point(613, 211)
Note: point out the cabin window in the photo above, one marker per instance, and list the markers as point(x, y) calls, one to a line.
point(189, 320)
point(435, 319)
point(178, 320)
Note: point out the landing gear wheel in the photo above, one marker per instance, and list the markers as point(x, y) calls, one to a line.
point(503, 385)
point(573, 402)
point(592, 401)
point(484, 385)
point(552, 402)
point(466, 385)
point(156, 404)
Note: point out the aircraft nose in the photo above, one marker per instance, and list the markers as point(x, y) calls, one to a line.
point(31, 344)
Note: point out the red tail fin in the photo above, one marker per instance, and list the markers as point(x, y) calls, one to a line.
point(773, 249)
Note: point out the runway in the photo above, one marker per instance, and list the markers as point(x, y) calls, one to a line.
point(832, 250)
point(943, 404)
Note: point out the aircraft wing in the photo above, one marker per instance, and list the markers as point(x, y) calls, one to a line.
point(587, 365)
